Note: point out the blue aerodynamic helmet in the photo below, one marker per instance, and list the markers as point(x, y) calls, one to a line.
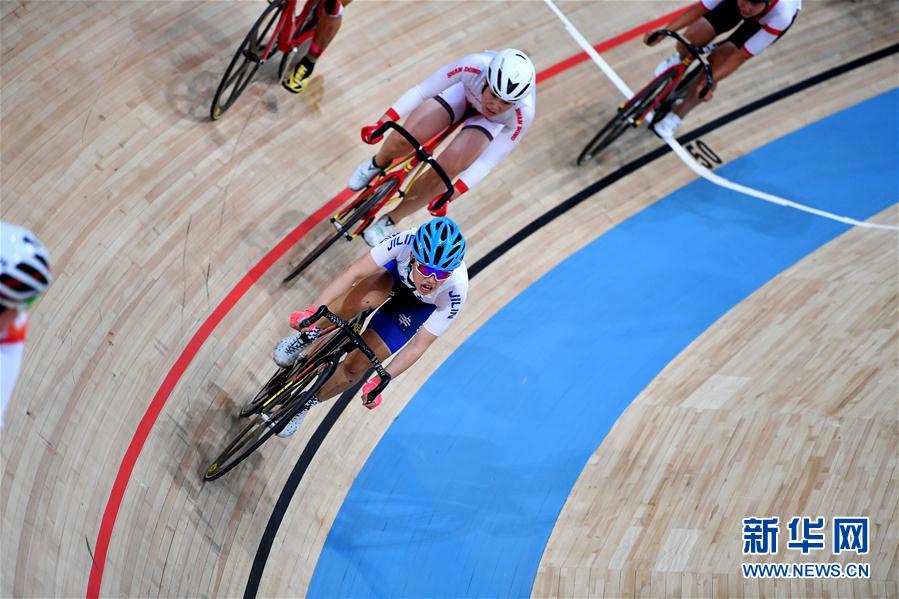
point(439, 244)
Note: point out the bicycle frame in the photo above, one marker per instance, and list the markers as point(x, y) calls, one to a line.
point(353, 341)
point(359, 212)
point(695, 53)
point(288, 26)
point(411, 164)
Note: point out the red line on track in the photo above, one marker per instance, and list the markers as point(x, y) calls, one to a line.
point(129, 460)
point(174, 375)
point(609, 44)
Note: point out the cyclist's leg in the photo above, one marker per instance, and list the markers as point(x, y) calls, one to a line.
point(354, 367)
point(723, 61)
point(430, 118)
point(390, 328)
point(330, 16)
point(726, 59)
point(462, 151)
point(703, 30)
point(433, 116)
point(369, 293)
point(699, 33)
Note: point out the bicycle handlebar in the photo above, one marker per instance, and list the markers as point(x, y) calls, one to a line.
point(423, 156)
point(357, 340)
point(695, 51)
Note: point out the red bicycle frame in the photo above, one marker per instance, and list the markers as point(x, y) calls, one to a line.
point(288, 26)
point(681, 68)
point(399, 175)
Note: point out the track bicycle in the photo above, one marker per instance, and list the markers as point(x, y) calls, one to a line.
point(385, 190)
point(278, 29)
point(657, 99)
point(289, 390)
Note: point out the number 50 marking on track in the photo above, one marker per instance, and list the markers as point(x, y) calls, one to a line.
point(703, 154)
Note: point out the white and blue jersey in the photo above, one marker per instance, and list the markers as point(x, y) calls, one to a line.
point(397, 321)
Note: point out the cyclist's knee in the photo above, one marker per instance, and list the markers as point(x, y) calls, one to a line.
point(725, 60)
point(368, 293)
point(355, 365)
point(463, 151)
point(332, 8)
point(700, 32)
point(427, 120)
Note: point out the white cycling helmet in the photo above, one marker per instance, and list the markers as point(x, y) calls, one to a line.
point(511, 75)
point(24, 266)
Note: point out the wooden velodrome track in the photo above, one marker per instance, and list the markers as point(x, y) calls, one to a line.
point(153, 214)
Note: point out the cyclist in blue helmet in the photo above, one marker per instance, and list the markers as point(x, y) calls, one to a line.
point(416, 280)
point(439, 245)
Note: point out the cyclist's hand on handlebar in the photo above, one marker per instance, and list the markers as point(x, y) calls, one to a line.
point(697, 91)
point(368, 388)
point(442, 210)
point(297, 317)
point(646, 39)
point(367, 133)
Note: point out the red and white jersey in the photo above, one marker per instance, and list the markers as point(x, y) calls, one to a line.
point(774, 21)
point(12, 343)
point(470, 72)
point(15, 331)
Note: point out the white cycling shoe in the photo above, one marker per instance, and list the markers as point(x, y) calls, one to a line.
point(667, 127)
point(295, 422)
point(289, 350)
point(363, 174)
point(667, 64)
point(379, 230)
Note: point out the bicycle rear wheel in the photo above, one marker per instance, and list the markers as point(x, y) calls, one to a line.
point(627, 115)
point(262, 425)
point(349, 217)
point(247, 60)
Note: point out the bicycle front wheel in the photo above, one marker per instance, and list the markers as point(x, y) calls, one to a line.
point(628, 115)
point(249, 57)
point(280, 386)
point(275, 384)
point(262, 425)
point(345, 221)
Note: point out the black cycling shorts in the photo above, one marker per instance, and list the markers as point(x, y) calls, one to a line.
point(726, 16)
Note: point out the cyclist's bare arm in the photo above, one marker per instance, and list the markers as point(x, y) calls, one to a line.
point(679, 22)
point(723, 62)
point(362, 267)
point(411, 352)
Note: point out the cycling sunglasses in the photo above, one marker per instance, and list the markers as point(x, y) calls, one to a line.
point(427, 271)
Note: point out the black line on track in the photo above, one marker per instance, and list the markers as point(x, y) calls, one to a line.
point(293, 481)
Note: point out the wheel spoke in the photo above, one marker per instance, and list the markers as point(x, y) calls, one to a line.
point(262, 425)
point(246, 61)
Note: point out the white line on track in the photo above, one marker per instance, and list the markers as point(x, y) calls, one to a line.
point(685, 156)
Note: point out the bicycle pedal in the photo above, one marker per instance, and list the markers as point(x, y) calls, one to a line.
point(338, 226)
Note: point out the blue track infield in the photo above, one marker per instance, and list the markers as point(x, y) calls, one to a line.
point(460, 496)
